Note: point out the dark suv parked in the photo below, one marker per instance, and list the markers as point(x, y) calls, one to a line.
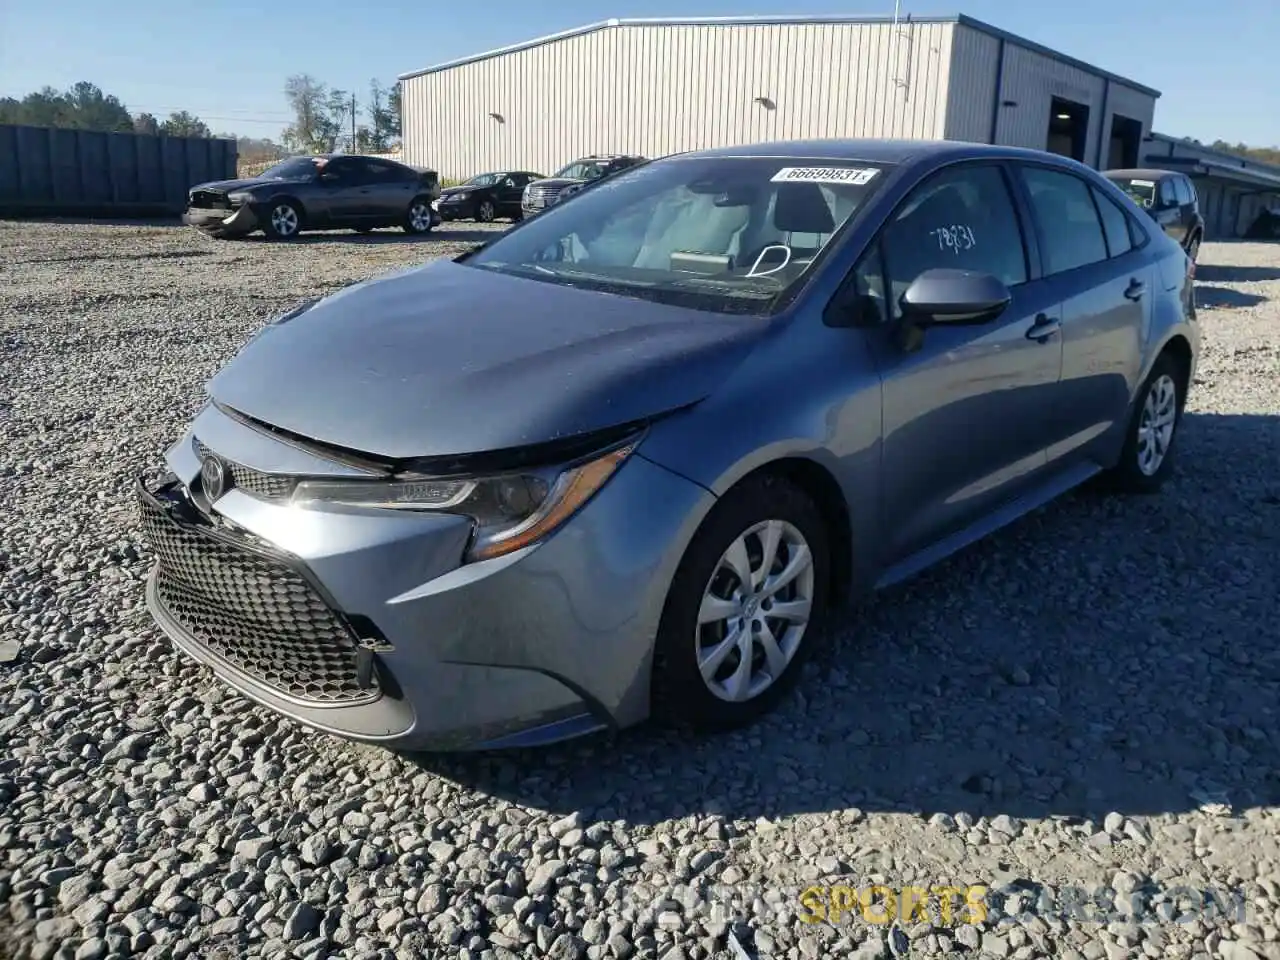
point(570, 179)
point(1170, 199)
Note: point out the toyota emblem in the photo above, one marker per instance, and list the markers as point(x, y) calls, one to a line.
point(213, 477)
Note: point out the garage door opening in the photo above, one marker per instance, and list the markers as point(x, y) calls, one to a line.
point(1126, 141)
point(1068, 128)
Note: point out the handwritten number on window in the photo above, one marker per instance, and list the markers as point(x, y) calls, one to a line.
point(955, 237)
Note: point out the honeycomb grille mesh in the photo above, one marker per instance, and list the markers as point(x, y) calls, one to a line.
point(264, 486)
point(254, 612)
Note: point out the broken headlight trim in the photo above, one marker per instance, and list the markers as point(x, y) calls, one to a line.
point(508, 511)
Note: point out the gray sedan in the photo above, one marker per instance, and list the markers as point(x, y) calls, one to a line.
point(625, 459)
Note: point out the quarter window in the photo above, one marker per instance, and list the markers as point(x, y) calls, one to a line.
point(1115, 224)
point(962, 218)
point(1070, 230)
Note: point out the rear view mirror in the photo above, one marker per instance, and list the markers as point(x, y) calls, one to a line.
point(946, 296)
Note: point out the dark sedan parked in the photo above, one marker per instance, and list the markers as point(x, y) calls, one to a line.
point(317, 193)
point(486, 197)
point(624, 458)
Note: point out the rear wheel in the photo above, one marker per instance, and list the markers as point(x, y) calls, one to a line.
point(745, 608)
point(418, 219)
point(1147, 458)
point(485, 212)
point(284, 220)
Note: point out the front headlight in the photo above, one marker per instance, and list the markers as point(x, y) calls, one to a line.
point(239, 199)
point(509, 511)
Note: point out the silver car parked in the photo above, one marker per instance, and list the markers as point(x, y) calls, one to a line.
point(625, 458)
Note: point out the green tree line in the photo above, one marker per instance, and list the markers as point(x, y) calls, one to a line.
point(324, 118)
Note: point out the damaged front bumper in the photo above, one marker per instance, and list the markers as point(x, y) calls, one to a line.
point(365, 623)
point(222, 222)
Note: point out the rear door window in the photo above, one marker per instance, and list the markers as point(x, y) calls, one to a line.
point(1071, 234)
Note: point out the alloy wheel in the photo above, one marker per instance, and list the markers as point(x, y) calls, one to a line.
point(485, 214)
point(284, 220)
point(755, 611)
point(420, 217)
point(1157, 423)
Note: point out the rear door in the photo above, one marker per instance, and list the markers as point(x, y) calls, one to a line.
point(1104, 282)
point(386, 191)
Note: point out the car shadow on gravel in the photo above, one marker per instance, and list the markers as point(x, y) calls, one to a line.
point(1210, 297)
point(1220, 273)
point(1104, 654)
point(389, 237)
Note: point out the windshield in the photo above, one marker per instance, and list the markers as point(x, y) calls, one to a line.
point(582, 170)
point(1142, 191)
point(290, 169)
point(484, 180)
point(726, 234)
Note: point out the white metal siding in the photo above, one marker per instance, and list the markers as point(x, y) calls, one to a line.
point(660, 89)
point(971, 92)
point(1031, 80)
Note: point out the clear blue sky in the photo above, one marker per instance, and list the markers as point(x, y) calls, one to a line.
point(1217, 64)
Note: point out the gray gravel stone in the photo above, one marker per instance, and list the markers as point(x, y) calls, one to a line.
point(1089, 697)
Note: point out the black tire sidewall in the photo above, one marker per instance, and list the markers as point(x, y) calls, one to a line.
point(679, 695)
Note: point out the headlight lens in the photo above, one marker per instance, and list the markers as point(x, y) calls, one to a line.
point(236, 199)
point(509, 512)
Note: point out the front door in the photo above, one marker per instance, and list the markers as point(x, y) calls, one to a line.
point(964, 414)
point(340, 200)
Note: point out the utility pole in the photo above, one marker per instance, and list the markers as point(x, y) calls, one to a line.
point(353, 123)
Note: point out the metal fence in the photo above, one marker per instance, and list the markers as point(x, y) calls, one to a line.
point(46, 172)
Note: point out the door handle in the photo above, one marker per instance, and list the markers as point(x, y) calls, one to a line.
point(1135, 290)
point(1044, 328)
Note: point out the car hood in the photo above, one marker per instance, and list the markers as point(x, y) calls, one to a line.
point(446, 359)
point(226, 186)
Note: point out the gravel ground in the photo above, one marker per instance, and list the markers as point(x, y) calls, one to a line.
point(1086, 702)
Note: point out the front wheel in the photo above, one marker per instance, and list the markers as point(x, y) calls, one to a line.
point(284, 221)
point(418, 220)
point(1147, 457)
point(745, 608)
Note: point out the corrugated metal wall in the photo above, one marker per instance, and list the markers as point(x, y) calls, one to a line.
point(660, 89)
point(1030, 80)
point(82, 172)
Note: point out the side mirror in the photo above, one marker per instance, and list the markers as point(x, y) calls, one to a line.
point(329, 178)
point(947, 296)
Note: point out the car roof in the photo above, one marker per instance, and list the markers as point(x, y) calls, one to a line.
point(1143, 173)
point(878, 151)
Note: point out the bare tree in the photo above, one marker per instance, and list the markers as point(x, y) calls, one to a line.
point(313, 129)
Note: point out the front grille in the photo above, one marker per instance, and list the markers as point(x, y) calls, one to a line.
point(249, 607)
point(264, 486)
point(208, 200)
point(544, 194)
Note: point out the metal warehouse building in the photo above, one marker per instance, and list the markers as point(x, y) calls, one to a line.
point(655, 87)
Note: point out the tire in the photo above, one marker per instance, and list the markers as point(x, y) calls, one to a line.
point(742, 518)
point(1143, 469)
point(486, 212)
point(418, 219)
point(283, 220)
